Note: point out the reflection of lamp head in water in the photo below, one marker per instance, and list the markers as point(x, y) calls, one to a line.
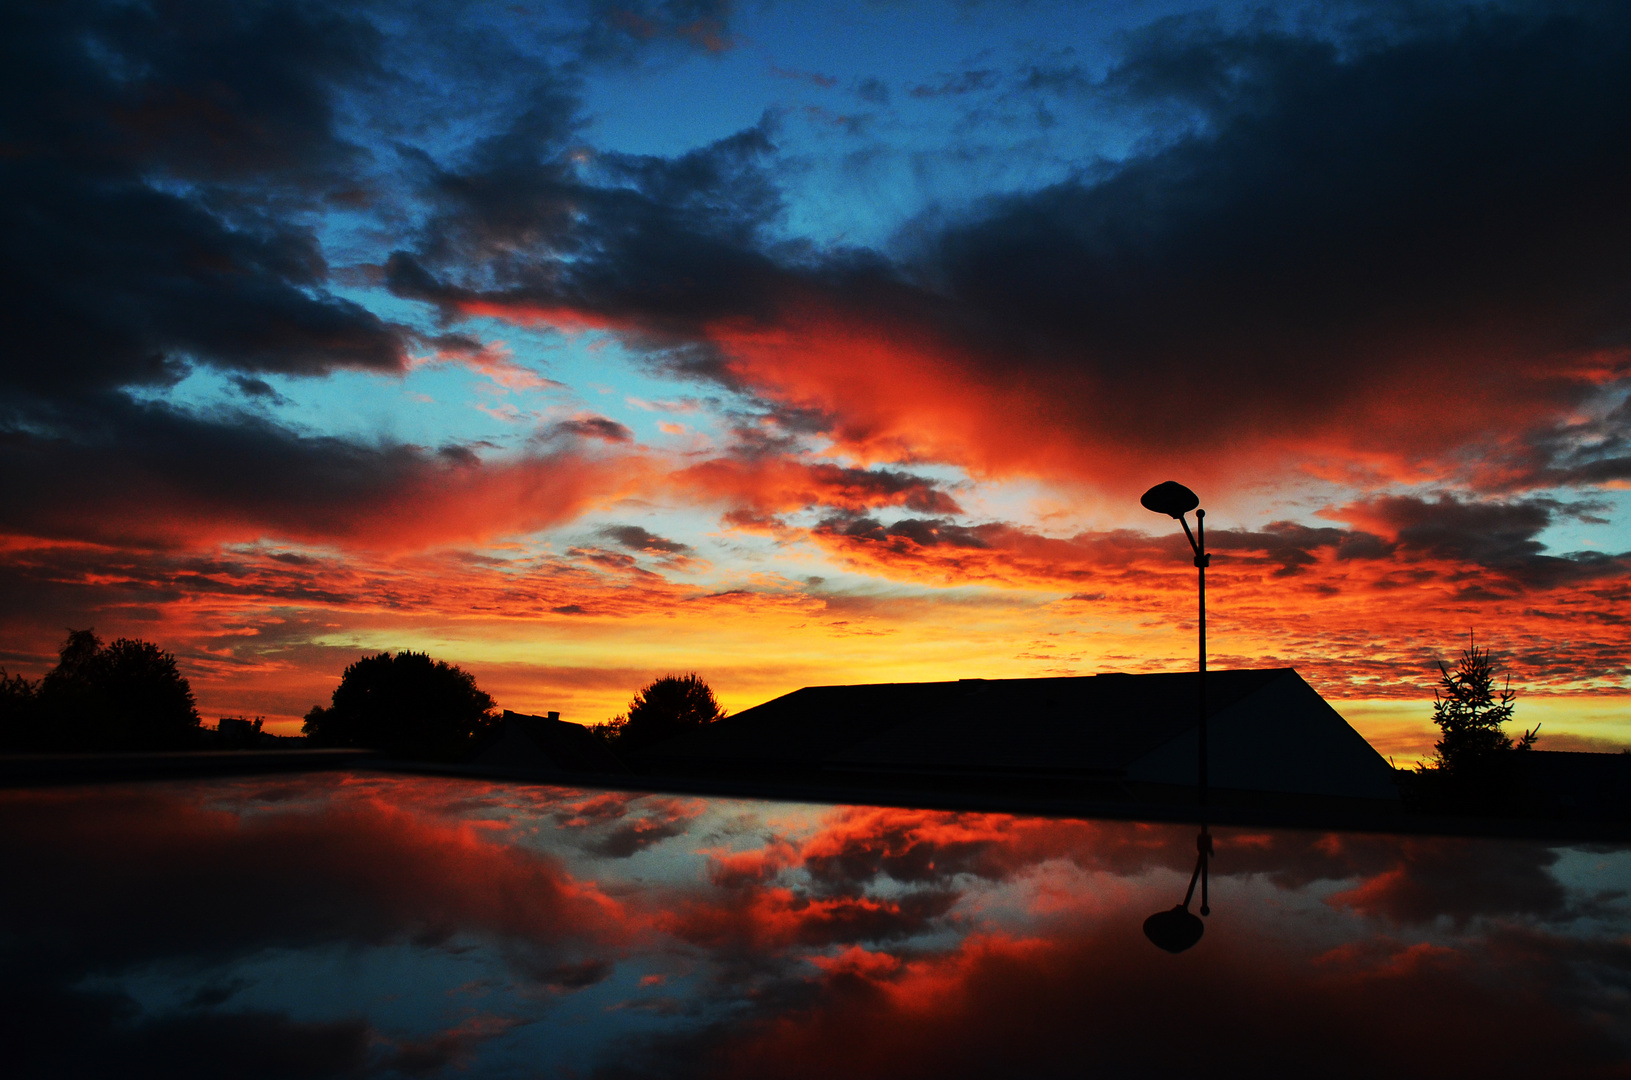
point(1177, 929)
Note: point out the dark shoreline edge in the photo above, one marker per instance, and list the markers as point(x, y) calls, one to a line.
point(1356, 820)
point(49, 770)
point(38, 771)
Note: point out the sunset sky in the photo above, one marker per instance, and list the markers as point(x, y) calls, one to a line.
point(580, 342)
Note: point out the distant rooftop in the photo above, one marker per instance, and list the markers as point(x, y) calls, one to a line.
point(1269, 732)
point(547, 744)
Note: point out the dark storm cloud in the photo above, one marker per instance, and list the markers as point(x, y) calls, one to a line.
point(257, 389)
point(158, 164)
point(635, 538)
point(873, 91)
point(1439, 537)
point(618, 29)
point(653, 245)
point(113, 283)
point(1294, 547)
point(455, 1047)
point(1489, 532)
point(156, 474)
point(592, 427)
point(201, 91)
point(1335, 218)
point(152, 159)
point(923, 532)
point(1581, 451)
point(1397, 236)
point(962, 82)
point(617, 825)
point(1497, 535)
point(1461, 881)
point(160, 169)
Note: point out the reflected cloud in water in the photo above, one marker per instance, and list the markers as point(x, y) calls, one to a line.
point(346, 925)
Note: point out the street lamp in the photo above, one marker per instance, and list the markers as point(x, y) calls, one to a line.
point(1175, 500)
point(1177, 929)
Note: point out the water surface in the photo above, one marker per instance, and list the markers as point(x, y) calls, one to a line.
point(338, 924)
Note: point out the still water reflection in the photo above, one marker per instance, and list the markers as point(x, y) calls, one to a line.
point(344, 925)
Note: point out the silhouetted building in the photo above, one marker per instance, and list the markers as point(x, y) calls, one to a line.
point(1272, 739)
point(1561, 783)
point(238, 727)
point(546, 745)
point(242, 733)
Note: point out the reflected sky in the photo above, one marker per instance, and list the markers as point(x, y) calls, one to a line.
point(382, 925)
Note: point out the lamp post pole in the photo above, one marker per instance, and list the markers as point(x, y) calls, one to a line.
point(1201, 561)
point(1175, 500)
point(1177, 930)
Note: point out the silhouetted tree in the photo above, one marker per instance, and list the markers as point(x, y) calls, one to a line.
point(20, 720)
point(126, 696)
point(1470, 712)
point(610, 732)
point(406, 705)
point(664, 708)
point(1472, 768)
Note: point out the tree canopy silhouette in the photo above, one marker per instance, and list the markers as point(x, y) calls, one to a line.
point(406, 705)
point(128, 695)
point(662, 709)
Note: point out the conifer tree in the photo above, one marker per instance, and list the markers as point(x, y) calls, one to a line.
point(1470, 710)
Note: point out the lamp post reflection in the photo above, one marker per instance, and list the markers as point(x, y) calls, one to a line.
point(1178, 929)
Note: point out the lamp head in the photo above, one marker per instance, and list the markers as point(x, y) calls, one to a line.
point(1170, 498)
point(1174, 930)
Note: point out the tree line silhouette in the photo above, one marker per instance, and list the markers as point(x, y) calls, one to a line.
point(124, 696)
point(129, 695)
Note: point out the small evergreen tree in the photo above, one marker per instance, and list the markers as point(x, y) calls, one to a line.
point(1472, 767)
point(1470, 712)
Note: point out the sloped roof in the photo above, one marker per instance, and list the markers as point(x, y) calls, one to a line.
point(1092, 723)
point(1268, 732)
